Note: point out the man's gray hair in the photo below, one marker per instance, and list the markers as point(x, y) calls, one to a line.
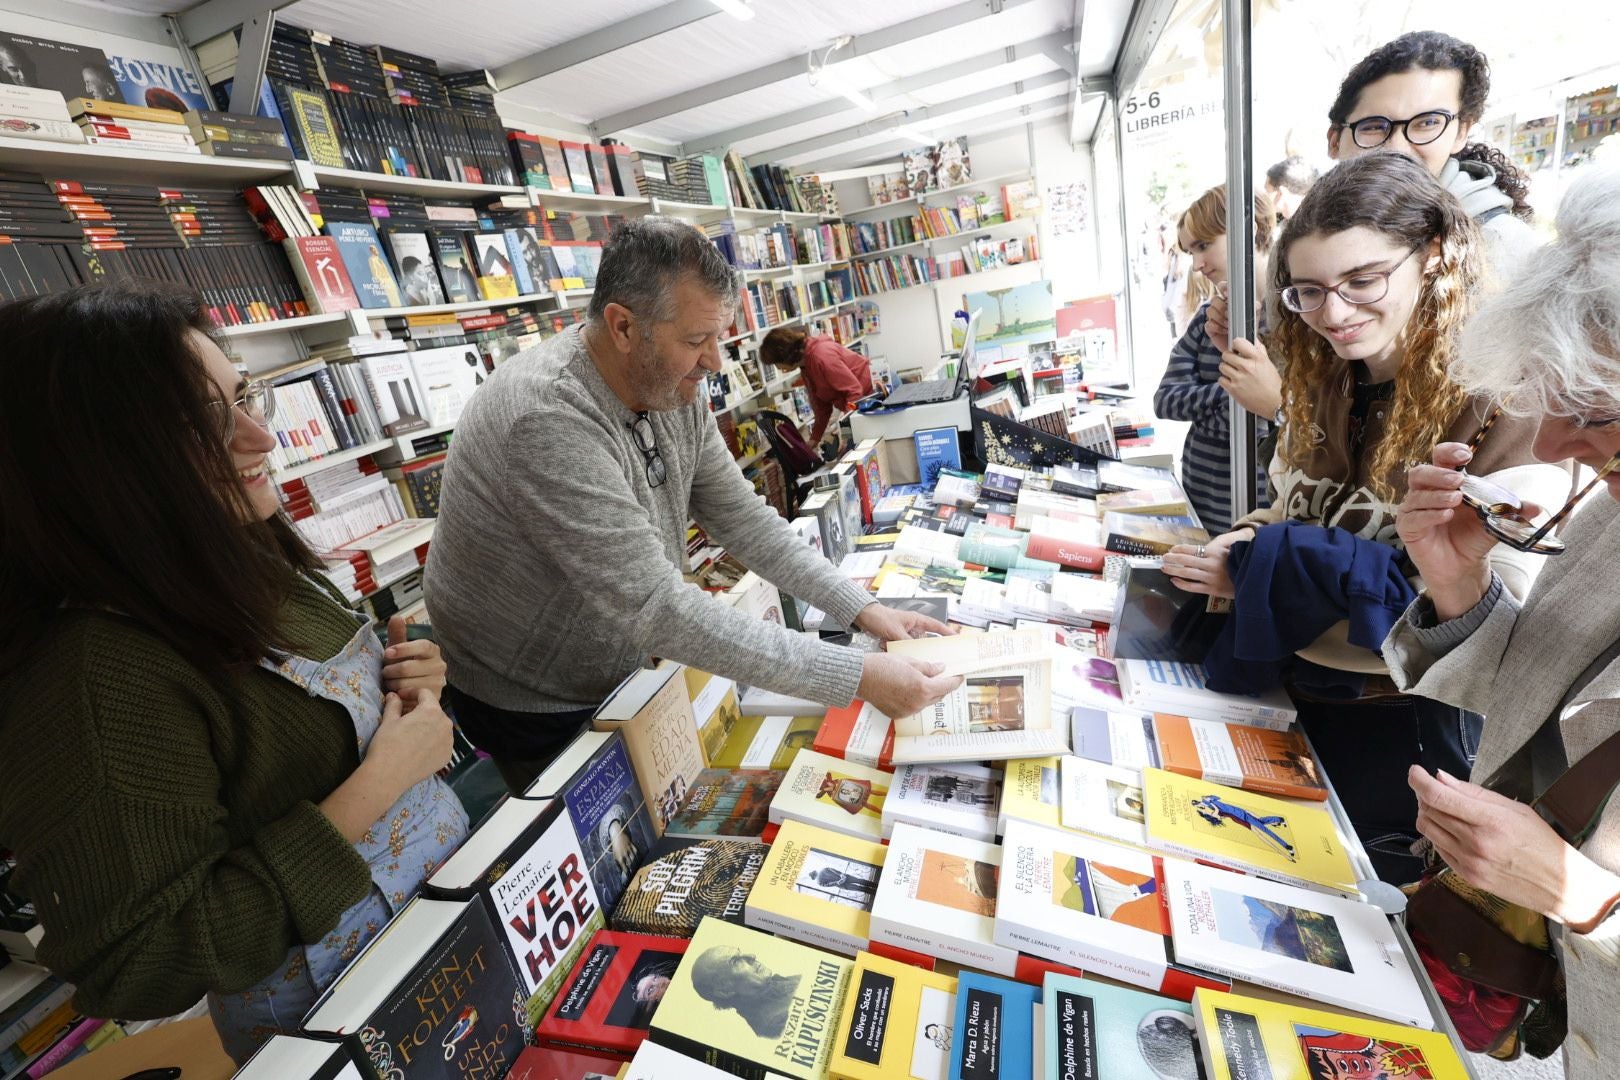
point(646, 257)
point(1549, 345)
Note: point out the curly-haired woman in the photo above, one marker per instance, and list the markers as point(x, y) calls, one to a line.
point(1421, 95)
point(1375, 274)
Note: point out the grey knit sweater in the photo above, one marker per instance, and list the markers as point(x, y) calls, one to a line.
point(555, 568)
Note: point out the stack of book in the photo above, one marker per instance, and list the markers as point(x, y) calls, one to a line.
point(112, 123)
point(234, 135)
point(30, 112)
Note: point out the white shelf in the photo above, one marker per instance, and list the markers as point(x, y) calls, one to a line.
point(780, 383)
point(769, 271)
point(660, 206)
point(410, 541)
point(982, 230)
point(909, 203)
point(947, 281)
point(733, 339)
point(281, 325)
point(408, 185)
point(465, 305)
point(890, 250)
point(395, 580)
point(854, 341)
point(132, 166)
point(304, 468)
point(579, 200)
point(821, 265)
point(818, 313)
point(567, 295)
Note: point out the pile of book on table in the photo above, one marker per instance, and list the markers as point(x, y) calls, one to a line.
point(1067, 868)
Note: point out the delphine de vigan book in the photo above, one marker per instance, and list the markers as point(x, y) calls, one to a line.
point(753, 1004)
point(1098, 1030)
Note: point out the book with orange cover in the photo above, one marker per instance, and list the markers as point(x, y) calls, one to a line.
point(1238, 755)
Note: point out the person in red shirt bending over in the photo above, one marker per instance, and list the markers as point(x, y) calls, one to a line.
point(836, 377)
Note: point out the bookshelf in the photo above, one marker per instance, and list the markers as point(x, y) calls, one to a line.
point(55, 159)
point(922, 197)
point(579, 200)
point(327, 461)
point(880, 252)
point(407, 185)
point(402, 446)
point(303, 322)
point(463, 305)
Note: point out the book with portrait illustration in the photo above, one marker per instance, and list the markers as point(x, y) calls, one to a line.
point(684, 882)
point(594, 779)
point(957, 798)
point(997, 1026)
point(1243, 1037)
point(369, 272)
point(432, 997)
point(749, 1003)
point(414, 268)
point(1243, 831)
point(1104, 800)
point(1001, 710)
point(524, 865)
point(730, 803)
point(1326, 949)
point(653, 711)
point(840, 795)
point(1090, 904)
point(1095, 1029)
point(1240, 756)
point(937, 896)
point(610, 997)
point(896, 1023)
point(817, 886)
point(858, 733)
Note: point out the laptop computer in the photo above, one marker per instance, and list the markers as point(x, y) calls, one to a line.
point(934, 391)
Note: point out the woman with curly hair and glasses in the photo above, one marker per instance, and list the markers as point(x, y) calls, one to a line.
point(220, 781)
point(1375, 274)
point(1421, 95)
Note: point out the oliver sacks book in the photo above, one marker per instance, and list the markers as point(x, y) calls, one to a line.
point(896, 1023)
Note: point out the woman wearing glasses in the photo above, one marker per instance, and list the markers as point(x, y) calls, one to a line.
point(1421, 95)
point(1375, 274)
point(220, 782)
point(1544, 671)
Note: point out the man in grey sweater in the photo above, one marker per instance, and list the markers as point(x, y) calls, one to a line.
point(555, 568)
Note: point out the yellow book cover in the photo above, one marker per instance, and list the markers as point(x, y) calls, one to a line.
point(817, 887)
point(766, 742)
point(1032, 790)
point(118, 110)
point(844, 796)
point(1273, 838)
point(1244, 1037)
point(714, 708)
point(896, 1023)
point(747, 1002)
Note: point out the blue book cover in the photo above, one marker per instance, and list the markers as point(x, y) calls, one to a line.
point(610, 818)
point(937, 449)
point(995, 1028)
point(523, 263)
point(368, 269)
point(1094, 1029)
point(157, 85)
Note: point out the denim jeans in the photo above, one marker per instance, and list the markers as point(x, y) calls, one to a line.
point(1366, 748)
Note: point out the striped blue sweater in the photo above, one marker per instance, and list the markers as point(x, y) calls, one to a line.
point(1191, 391)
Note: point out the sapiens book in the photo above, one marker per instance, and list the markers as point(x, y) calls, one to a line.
point(730, 803)
point(294, 1057)
point(594, 779)
point(685, 881)
point(363, 258)
point(653, 711)
point(432, 997)
point(1098, 1030)
point(937, 448)
point(937, 896)
point(1104, 800)
point(1002, 709)
point(817, 887)
point(1177, 687)
point(523, 864)
point(322, 276)
point(996, 1028)
point(840, 795)
point(896, 1024)
point(550, 1063)
point(749, 1003)
point(1326, 949)
point(958, 798)
point(609, 999)
point(1244, 831)
point(1240, 756)
point(1092, 905)
point(1242, 1037)
point(447, 376)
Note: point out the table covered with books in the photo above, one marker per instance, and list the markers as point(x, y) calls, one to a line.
point(1082, 862)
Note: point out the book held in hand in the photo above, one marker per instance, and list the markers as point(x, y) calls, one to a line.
point(897, 1022)
point(817, 886)
point(1177, 687)
point(686, 881)
point(611, 995)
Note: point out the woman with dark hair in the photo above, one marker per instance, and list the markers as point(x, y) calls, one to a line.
point(1421, 95)
point(835, 376)
point(229, 782)
point(1375, 274)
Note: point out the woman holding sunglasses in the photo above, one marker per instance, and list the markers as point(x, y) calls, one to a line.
point(1421, 95)
point(222, 783)
point(1544, 671)
point(1375, 274)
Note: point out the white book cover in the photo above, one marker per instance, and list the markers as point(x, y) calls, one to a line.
point(448, 377)
point(937, 896)
point(1105, 800)
point(1175, 687)
point(957, 798)
point(844, 796)
point(1084, 902)
point(395, 391)
point(917, 546)
point(1001, 710)
point(654, 1062)
point(1114, 737)
point(1081, 598)
point(1327, 949)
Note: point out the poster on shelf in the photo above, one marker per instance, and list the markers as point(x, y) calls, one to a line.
point(157, 85)
point(1018, 313)
point(74, 71)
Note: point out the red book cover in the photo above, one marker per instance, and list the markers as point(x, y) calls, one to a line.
point(857, 733)
point(1066, 552)
point(320, 270)
point(608, 1002)
point(548, 1063)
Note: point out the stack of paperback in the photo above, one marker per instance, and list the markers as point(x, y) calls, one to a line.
point(234, 135)
point(29, 112)
point(112, 123)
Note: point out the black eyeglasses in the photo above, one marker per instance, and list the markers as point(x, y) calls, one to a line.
point(1367, 287)
point(641, 430)
point(1420, 130)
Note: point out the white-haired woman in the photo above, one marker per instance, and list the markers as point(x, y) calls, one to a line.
point(1545, 672)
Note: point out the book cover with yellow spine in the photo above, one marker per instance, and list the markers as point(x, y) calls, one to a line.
point(817, 887)
point(896, 1023)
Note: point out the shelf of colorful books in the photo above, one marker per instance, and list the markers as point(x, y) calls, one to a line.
point(816, 314)
point(735, 338)
point(890, 250)
point(937, 282)
point(408, 185)
point(579, 200)
point(911, 201)
point(71, 161)
point(465, 305)
point(304, 468)
point(281, 325)
point(983, 230)
point(408, 540)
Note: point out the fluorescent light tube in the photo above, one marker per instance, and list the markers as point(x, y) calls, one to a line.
point(737, 9)
point(915, 134)
point(857, 97)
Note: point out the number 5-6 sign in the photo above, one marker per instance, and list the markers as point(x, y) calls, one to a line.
point(1134, 104)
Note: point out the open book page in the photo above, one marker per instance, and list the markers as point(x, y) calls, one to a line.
point(1006, 685)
